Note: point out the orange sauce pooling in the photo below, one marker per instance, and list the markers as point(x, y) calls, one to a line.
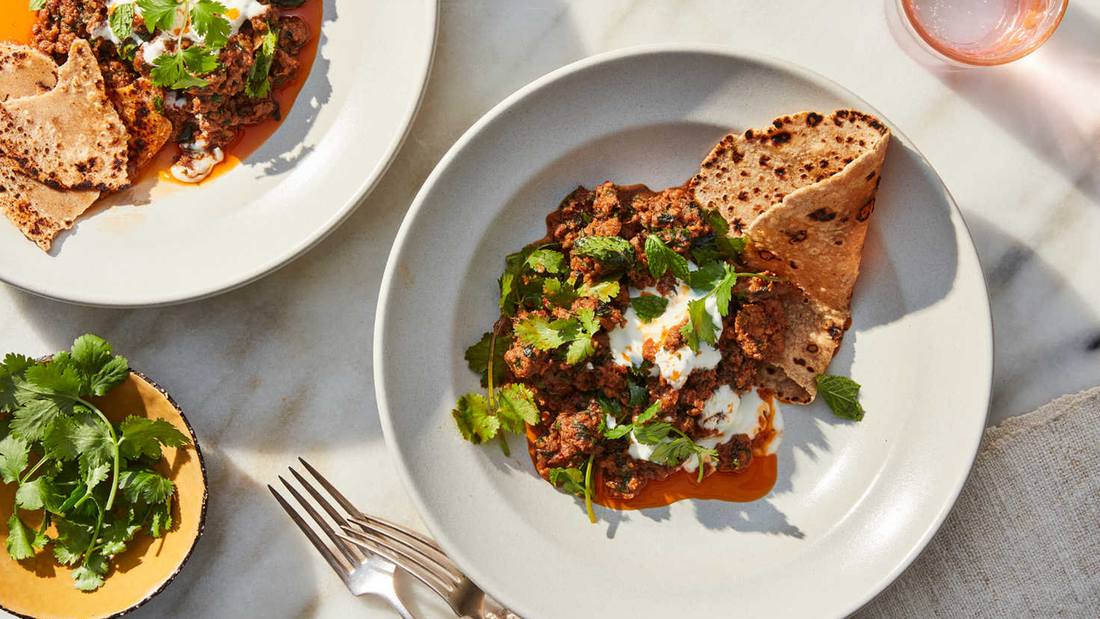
point(16, 22)
point(752, 484)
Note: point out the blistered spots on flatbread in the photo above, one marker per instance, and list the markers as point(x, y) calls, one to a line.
point(70, 137)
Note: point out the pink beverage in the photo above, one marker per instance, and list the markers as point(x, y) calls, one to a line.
point(984, 32)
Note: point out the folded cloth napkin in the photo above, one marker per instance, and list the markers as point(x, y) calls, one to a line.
point(1024, 537)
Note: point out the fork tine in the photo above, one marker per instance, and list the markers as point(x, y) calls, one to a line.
point(413, 555)
point(324, 526)
point(420, 573)
point(346, 504)
point(375, 522)
point(332, 560)
point(412, 542)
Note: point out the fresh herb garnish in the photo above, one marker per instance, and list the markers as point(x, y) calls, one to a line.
point(544, 334)
point(841, 394)
point(582, 347)
point(477, 357)
point(184, 68)
point(649, 306)
point(622, 430)
point(34, 5)
point(81, 460)
point(612, 252)
point(604, 291)
point(661, 258)
point(121, 21)
point(258, 83)
point(577, 483)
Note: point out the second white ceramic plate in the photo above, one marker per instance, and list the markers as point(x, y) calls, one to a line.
point(854, 503)
point(151, 246)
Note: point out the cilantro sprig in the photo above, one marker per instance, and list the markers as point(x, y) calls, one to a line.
point(575, 482)
point(184, 68)
point(92, 479)
point(655, 433)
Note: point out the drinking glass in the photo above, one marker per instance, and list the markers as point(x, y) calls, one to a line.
point(983, 32)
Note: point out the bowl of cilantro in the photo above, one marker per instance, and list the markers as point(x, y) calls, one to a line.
point(102, 485)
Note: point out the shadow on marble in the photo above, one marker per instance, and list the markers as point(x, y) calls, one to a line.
point(1047, 100)
point(1046, 338)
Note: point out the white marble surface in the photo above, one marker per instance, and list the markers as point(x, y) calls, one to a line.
point(282, 367)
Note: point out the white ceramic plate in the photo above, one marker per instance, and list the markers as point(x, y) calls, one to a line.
point(160, 247)
point(854, 503)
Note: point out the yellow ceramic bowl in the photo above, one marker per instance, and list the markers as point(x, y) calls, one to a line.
point(40, 588)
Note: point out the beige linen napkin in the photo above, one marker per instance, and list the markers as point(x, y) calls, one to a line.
point(1024, 537)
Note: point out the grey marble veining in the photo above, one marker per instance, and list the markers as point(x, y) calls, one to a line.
point(282, 367)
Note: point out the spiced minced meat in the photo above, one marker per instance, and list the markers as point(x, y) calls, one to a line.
point(563, 296)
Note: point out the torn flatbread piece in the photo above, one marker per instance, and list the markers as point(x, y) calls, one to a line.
point(25, 72)
point(39, 211)
point(147, 127)
point(70, 137)
point(802, 191)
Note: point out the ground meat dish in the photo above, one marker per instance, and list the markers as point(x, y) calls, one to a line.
point(575, 400)
point(210, 115)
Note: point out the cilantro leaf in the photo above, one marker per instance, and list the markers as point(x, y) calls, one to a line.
point(546, 261)
point(206, 16)
point(661, 258)
point(649, 413)
point(158, 14)
point(258, 84)
point(723, 292)
point(116, 533)
point(604, 291)
point(638, 393)
point(30, 421)
point(582, 347)
point(60, 440)
point(700, 326)
point(622, 430)
point(558, 292)
point(707, 276)
point(473, 418)
point(93, 439)
point(175, 70)
point(516, 406)
point(612, 252)
point(651, 433)
point(94, 475)
point(22, 542)
point(618, 431)
point(145, 485)
point(110, 376)
point(160, 521)
point(673, 452)
point(477, 358)
point(570, 480)
point(35, 5)
point(543, 334)
point(732, 247)
point(89, 576)
point(121, 21)
point(37, 494)
point(90, 352)
point(11, 369)
point(71, 541)
point(13, 458)
point(143, 437)
point(841, 394)
point(649, 306)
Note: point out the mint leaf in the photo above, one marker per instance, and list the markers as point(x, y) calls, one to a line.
point(144, 437)
point(546, 261)
point(716, 221)
point(612, 252)
point(206, 17)
point(473, 418)
point(570, 480)
point(122, 21)
point(158, 14)
point(841, 394)
point(13, 458)
point(515, 407)
point(649, 306)
point(661, 258)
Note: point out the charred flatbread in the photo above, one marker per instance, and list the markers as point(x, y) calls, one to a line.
point(148, 128)
point(802, 191)
point(70, 137)
point(25, 72)
point(39, 211)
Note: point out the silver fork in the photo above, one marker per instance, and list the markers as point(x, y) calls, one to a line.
point(362, 573)
point(417, 554)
